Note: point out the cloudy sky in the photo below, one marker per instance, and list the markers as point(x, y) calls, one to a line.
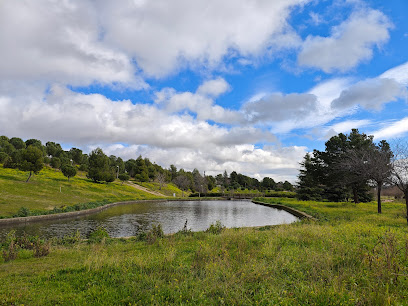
point(244, 85)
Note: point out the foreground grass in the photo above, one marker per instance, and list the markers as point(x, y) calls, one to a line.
point(51, 189)
point(351, 256)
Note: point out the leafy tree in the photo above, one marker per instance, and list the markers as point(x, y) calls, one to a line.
point(99, 169)
point(309, 187)
point(124, 177)
point(141, 171)
point(130, 167)
point(287, 186)
point(18, 143)
point(55, 162)
point(53, 149)
point(32, 160)
point(5, 145)
point(76, 155)
point(3, 157)
point(268, 183)
point(69, 171)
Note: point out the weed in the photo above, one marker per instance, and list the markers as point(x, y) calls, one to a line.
point(185, 230)
point(155, 233)
point(216, 228)
point(41, 248)
point(98, 235)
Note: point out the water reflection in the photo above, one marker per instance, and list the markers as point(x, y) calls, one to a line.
point(131, 219)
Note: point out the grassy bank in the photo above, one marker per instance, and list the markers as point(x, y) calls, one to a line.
point(50, 189)
point(351, 256)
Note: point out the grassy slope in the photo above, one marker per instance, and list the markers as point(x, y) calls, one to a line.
point(352, 256)
point(167, 189)
point(42, 192)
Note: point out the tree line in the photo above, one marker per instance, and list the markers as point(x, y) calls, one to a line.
point(31, 155)
point(350, 166)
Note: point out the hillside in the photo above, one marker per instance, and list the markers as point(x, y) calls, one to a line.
point(50, 189)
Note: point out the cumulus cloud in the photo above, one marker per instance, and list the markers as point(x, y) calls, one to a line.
point(163, 36)
point(78, 118)
point(350, 42)
point(201, 103)
point(281, 163)
point(370, 94)
point(59, 41)
point(278, 107)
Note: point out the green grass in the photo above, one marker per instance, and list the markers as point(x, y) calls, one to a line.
point(350, 256)
point(51, 189)
point(167, 189)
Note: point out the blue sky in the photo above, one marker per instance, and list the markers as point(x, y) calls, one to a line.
point(240, 85)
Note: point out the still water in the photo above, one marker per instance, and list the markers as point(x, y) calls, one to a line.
point(131, 219)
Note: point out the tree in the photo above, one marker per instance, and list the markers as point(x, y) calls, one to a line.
point(370, 163)
point(98, 169)
point(124, 177)
point(55, 162)
point(32, 160)
point(18, 143)
point(141, 171)
point(161, 178)
point(53, 149)
point(76, 155)
point(309, 186)
point(69, 171)
point(182, 182)
point(399, 170)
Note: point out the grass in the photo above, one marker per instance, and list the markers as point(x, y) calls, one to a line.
point(350, 256)
point(167, 189)
point(50, 189)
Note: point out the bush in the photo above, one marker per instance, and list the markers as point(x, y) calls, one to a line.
point(216, 228)
point(155, 233)
point(98, 235)
point(41, 248)
point(22, 212)
point(10, 247)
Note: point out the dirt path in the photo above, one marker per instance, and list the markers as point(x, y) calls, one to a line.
point(156, 193)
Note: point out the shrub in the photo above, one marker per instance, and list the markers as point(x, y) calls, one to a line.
point(41, 248)
point(185, 231)
point(216, 228)
point(155, 233)
point(22, 212)
point(98, 235)
point(10, 247)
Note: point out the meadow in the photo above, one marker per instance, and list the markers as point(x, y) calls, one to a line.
point(351, 255)
point(50, 189)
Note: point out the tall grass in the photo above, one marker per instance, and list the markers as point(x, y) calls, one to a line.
point(350, 256)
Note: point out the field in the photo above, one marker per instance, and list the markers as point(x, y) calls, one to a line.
point(51, 189)
point(350, 256)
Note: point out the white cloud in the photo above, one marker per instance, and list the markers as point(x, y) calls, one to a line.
point(370, 94)
point(350, 43)
point(344, 127)
point(280, 163)
point(277, 107)
point(399, 73)
point(213, 88)
point(59, 41)
point(393, 130)
point(163, 36)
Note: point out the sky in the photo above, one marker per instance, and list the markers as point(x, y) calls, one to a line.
point(237, 85)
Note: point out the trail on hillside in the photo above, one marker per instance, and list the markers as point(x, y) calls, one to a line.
point(134, 185)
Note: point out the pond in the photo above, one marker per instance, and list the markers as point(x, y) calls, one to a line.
point(134, 218)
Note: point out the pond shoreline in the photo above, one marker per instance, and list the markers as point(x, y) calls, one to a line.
point(72, 214)
point(295, 212)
